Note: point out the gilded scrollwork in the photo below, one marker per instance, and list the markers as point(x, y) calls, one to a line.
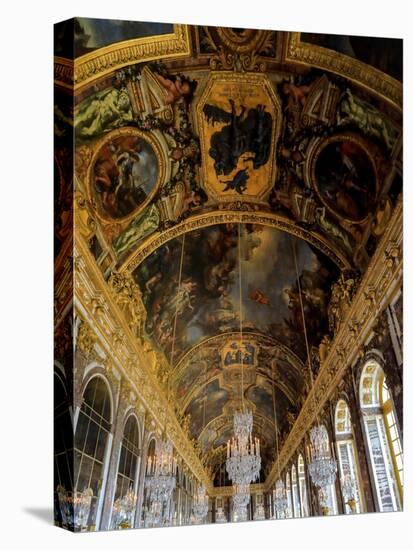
point(374, 80)
point(103, 61)
point(154, 279)
point(128, 297)
point(86, 339)
point(212, 218)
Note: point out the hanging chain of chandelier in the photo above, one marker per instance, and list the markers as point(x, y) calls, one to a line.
point(322, 467)
point(243, 461)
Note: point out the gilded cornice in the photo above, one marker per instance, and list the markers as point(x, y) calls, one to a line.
point(103, 61)
point(200, 221)
point(375, 81)
point(381, 280)
point(95, 302)
point(63, 73)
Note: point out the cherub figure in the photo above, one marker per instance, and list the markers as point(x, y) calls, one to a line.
point(176, 87)
point(297, 95)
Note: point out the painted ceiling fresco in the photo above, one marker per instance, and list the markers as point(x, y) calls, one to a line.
point(92, 34)
point(225, 156)
point(206, 392)
point(192, 284)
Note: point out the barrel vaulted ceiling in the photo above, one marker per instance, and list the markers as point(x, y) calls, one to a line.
point(227, 173)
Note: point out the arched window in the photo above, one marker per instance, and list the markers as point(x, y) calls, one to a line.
point(129, 457)
point(347, 459)
point(146, 500)
point(289, 511)
point(63, 443)
point(295, 494)
point(383, 437)
point(393, 434)
point(302, 487)
point(128, 469)
point(91, 437)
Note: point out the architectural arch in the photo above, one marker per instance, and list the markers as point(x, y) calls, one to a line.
point(384, 447)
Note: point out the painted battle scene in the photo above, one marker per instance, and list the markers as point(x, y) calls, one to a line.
point(228, 268)
point(346, 179)
point(125, 173)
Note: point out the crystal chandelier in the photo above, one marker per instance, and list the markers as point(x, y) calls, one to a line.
point(322, 467)
point(280, 501)
point(348, 487)
point(200, 506)
point(243, 452)
point(65, 505)
point(75, 509)
point(123, 509)
point(81, 504)
point(240, 500)
point(160, 481)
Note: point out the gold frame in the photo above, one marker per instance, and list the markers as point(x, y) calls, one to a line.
point(312, 161)
point(119, 132)
point(103, 61)
point(252, 79)
point(374, 80)
point(199, 221)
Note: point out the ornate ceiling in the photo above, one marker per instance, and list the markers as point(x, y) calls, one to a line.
point(228, 170)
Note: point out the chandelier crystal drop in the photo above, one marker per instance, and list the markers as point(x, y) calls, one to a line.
point(322, 467)
point(348, 487)
point(160, 481)
point(280, 499)
point(81, 504)
point(240, 501)
point(200, 506)
point(75, 509)
point(243, 452)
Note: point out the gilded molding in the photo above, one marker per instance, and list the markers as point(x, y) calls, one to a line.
point(63, 72)
point(382, 278)
point(94, 296)
point(103, 61)
point(211, 218)
point(375, 81)
point(228, 490)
